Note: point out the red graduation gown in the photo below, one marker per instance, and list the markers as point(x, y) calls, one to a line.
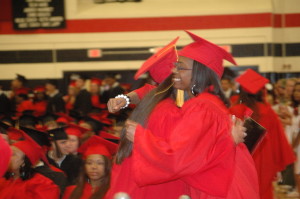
point(40, 108)
point(194, 158)
point(87, 191)
point(38, 187)
point(274, 153)
point(122, 175)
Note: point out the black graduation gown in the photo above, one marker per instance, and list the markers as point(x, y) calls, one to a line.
point(56, 104)
point(70, 165)
point(83, 102)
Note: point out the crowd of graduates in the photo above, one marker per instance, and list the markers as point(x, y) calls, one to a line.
point(160, 141)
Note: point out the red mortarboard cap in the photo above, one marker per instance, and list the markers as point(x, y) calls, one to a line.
point(96, 81)
point(22, 91)
point(97, 145)
point(72, 84)
point(5, 156)
point(160, 64)
point(39, 89)
point(73, 131)
point(31, 149)
point(206, 53)
point(251, 81)
point(109, 137)
point(64, 118)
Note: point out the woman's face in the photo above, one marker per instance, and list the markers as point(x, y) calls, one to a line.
point(182, 74)
point(73, 144)
point(63, 146)
point(17, 159)
point(94, 167)
point(94, 88)
point(297, 93)
point(72, 90)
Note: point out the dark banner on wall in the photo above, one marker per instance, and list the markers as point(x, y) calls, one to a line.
point(34, 14)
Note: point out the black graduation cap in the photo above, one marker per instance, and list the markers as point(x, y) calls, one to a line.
point(27, 119)
point(75, 114)
point(21, 78)
point(48, 117)
point(52, 82)
point(38, 136)
point(58, 133)
point(96, 125)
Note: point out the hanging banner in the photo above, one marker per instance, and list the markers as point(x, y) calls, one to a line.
point(34, 14)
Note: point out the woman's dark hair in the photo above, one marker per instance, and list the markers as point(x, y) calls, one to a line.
point(58, 152)
point(140, 115)
point(26, 170)
point(250, 100)
point(203, 77)
point(83, 178)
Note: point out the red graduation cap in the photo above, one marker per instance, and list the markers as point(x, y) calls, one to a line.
point(31, 149)
point(97, 145)
point(22, 91)
point(251, 81)
point(160, 64)
point(206, 53)
point(104, 134)
point(72, 130)
point(72, 84)
point(39, 89)
point(97, 81)
point(64, 118)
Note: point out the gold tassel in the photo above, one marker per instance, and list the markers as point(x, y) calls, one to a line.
point(180, 98)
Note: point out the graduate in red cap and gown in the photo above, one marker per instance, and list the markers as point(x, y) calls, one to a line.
point(43, 167)
point(71, 96)
point(274, 153)
point(21, 180)
point(40, 101)
point(95, 85)
point(94, 180)
point(186, 150)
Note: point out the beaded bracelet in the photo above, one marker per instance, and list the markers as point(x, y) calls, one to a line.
point(126, 98)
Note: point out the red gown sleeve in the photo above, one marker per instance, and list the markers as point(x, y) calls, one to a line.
point(41, 187)
point(200, 147)
point(141, 92)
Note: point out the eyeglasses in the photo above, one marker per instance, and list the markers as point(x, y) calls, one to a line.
point(179, 67)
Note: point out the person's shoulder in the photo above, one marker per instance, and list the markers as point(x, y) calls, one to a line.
point(208, 102)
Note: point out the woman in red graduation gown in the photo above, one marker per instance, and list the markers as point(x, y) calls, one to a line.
point(40, 101)
point(21, 180)
point(94, 179)
point(189, 150)
point(274, 153)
